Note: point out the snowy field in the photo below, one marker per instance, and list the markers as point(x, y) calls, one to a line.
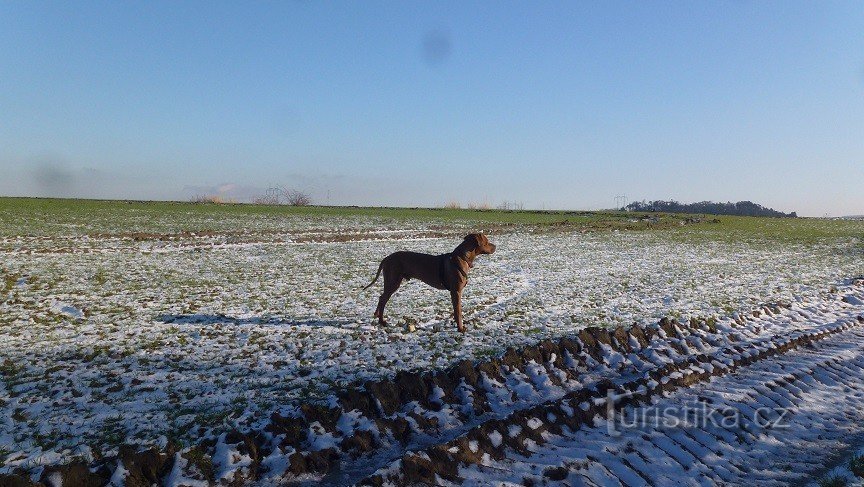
point(108, 336)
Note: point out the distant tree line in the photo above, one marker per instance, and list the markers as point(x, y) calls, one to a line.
point(741, 208)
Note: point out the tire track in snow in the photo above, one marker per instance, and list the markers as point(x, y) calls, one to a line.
point(819, 379)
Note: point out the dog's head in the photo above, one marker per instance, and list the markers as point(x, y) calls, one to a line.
point(479, 243)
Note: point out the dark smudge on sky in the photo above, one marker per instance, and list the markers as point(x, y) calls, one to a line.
point(436, 47)
point(53, 177)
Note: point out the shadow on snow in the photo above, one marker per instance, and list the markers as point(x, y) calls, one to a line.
point(213, 319)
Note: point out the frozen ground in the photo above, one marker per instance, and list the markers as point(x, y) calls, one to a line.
point(848, 472)
point(121, 337)
point(770, 412)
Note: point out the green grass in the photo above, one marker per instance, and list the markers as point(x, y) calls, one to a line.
point(8, 282)
point(44, 216)
point(9, 368)
point(74, 208)
point(70, 217)
point(800, 230)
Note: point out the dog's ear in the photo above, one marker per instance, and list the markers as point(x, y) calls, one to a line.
point(473, 238)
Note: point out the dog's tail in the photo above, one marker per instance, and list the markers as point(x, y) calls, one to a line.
point(380, 266)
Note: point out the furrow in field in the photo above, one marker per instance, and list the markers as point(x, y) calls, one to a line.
point(769, 413)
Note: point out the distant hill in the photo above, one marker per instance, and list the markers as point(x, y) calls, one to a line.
point(741, 208)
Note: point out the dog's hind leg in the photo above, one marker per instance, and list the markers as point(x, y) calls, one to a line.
point(391, 284)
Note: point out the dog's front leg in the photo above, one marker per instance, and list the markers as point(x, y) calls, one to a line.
point(456, 297)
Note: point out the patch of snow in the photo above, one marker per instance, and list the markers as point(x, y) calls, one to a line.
point(118, 478)
point(495, 438)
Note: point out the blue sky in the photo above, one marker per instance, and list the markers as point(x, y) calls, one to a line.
point(554, 105)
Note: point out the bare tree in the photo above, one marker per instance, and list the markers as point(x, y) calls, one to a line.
point(297, 198)
point(283, 196)
point(271, 197)
point(265, 200)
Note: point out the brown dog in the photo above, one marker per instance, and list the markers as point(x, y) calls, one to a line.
point(446, 271)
